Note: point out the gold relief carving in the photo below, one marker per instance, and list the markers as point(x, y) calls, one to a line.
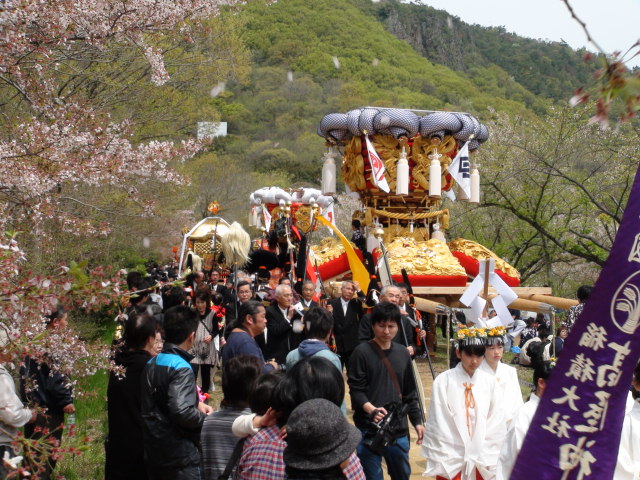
point(328, 249)
point(479, 252)
point(303, 218)
point(389, 150)
point(431, 257)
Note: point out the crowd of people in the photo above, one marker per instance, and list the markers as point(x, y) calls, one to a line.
point(283, 414)
point(277, 351)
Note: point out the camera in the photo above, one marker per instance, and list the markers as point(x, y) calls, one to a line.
point(384, 432)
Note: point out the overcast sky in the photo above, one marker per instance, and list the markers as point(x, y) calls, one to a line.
point(614, 24)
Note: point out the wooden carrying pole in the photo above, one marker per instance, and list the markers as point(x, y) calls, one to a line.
point(429, 306)
point(529, 305)
point(558, 302)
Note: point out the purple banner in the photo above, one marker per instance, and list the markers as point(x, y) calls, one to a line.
point(575, 432)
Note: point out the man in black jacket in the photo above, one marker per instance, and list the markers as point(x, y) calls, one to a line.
point(405, 335)
point(216, 287)
point(347, 312)
point(285, 329)
point(172, 414)
point(124, 446)
point(381, 378)
point(42, 386)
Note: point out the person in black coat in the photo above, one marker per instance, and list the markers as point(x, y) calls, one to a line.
point(44, 387)
point(285, 329)
point(124, 444)
point(306, 302)
point(216, 287)
point(172, 414)
point(347, 312)
point(406, 334)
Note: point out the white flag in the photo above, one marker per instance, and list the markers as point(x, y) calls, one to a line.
point(460, 169)
point(377, 168)
point(267, 218)
point(450, 194)
point(329, 215)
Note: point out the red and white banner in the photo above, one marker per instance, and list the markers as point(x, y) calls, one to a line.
point(329, 214)
point(377, 168)
point(267, 218)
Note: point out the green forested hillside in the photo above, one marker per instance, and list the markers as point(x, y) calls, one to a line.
point(547, 69)
point(312, 58)
point(272, 70)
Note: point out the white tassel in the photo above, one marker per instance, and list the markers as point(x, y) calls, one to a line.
point(402, 176)
point(329, 173)
point(435, 176)
point(235, 245)
point(438, 234)
point(475, 186)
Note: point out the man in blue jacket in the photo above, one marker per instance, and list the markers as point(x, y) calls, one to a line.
point(171, 410)
point(319, 324)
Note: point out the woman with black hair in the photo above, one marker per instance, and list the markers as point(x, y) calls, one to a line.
point(251, 322)
point(204, 349)
point(505, 375)
point(124, 446)
point(466, 427)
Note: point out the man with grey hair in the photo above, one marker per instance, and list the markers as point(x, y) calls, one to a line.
point(306, 302)
point(406, 330)
point(347, 312)
point(285, 329)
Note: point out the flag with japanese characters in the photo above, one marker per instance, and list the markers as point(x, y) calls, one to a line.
point(575, 432)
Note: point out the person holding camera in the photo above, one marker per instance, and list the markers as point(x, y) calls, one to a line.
point(383, 394)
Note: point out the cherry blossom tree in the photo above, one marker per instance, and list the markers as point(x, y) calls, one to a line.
point(49, 139)
point(52, 139)
point(613, 81)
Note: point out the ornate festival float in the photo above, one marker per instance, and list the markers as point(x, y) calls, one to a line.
point(402, 164)
point(213, 243)
point(288, 220)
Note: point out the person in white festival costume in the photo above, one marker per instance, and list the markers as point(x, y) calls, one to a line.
point(506, 376)
point(628, 466)
point(466, 425)
point(521, 421)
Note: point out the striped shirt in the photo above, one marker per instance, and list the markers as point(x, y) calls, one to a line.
point(217, 440)
point(262, 458)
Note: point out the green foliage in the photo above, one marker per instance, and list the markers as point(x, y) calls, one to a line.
point(554, 190)
point(532, 68)
point(315, 58)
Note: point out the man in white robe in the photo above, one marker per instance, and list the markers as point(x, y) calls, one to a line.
point(506, 376)
point(466, 426)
